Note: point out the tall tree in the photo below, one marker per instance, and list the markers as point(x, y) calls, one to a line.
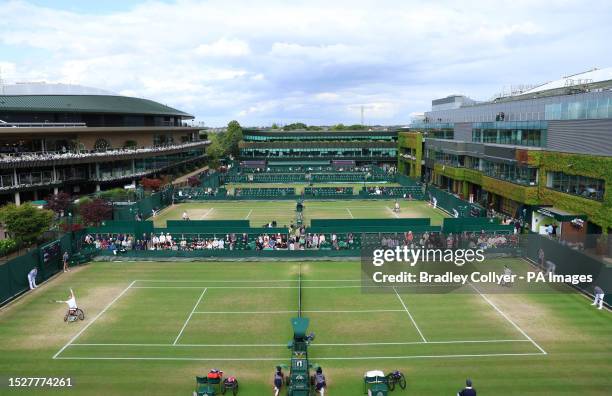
point(233, 136)
point(25, 223)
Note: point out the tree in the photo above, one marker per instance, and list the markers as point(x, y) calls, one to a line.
point(95, 211)
point(274, 126)
point(26, 223)
point(215, 150)
point(151, 184)
point(233, 136)
point(59, 203)
point(295, 126)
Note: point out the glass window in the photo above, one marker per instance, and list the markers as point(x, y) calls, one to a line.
point(583, 186)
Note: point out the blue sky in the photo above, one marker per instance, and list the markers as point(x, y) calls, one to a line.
point(310, 61)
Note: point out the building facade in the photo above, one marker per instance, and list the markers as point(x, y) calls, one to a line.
point(550, 146)
point(79, 140)
point(360, 147)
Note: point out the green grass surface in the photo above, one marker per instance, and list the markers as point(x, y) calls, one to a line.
point(299, 187)
point(151, 327)
point(262, 212)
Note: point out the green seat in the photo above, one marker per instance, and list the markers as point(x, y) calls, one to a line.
point(204, 387)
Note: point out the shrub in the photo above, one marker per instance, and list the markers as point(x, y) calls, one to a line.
point(8, 246)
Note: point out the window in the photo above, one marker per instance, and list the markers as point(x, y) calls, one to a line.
point(510, 172)
point(582, 186)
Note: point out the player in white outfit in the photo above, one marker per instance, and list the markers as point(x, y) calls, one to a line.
point(599, 297)
point(32, 278)
point(72, 305)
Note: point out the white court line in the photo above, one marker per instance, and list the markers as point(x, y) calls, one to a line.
point(391, 210)
point(260, 287)
point(410, 315)
point(206, 214)
point(276, 287)
point(288, 312)
point(320, 358)
point(191, 345)
point(189, 317)
point(350, 213)
point(509, 320)
point(248, 215)
point(92, 321)
point(311, 346)
point(249, 281)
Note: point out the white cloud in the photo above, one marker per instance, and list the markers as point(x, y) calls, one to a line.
point(308, 60)
point(224, 48)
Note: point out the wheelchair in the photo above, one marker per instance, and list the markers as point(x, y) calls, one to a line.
point(74, 314)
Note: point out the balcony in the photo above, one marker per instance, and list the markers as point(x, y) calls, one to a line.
point(33, 159)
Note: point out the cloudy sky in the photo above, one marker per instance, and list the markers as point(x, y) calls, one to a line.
point(312, 61)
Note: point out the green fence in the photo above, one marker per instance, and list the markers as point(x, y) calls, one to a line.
point(145, 206)
point(563, 259)
point(450, 225)
point(14, 273)
point(475, 224)
point(453, 205)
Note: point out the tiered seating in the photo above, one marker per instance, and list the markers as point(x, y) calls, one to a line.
point(266, 178)
point(397, 192)
point(331, 192)
point(264, 192)
point(198, 193)
point(349, 177)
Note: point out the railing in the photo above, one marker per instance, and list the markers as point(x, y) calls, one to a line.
point(42, 124)
point(57, 155)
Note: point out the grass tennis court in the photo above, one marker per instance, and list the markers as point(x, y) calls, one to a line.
point(260, 213)
point(152, 327)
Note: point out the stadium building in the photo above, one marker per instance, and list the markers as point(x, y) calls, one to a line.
point(543, 154)
point(319, 148)
point(56, 137)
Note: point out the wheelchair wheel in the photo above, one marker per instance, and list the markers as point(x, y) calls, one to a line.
point(80, 314)
point(402, 382)
point(235, 389)
point(66, 318)
point(223, 389)
point(391, 382)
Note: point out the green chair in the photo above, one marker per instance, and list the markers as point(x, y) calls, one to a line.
point(204, 387)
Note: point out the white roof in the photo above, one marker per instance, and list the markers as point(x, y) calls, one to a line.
point(374, 373)
point(588, 77)
point(43, 88)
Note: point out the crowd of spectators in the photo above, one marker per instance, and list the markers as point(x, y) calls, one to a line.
point(485, 240)
point(297, 238)
point(68, 154)
point(294, 240)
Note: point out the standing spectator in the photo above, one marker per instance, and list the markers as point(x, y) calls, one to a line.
point(32, 278)
point(65, 258)
point(468, 390)
point(541, 257)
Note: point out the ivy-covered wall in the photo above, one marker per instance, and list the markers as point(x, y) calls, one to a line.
point(599, 212)
point(525, 194)
point(410, 140)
